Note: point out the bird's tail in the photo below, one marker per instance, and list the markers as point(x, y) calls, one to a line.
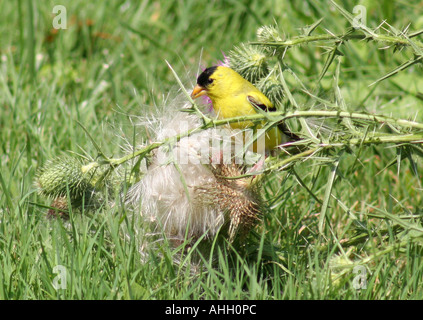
point(283, 128)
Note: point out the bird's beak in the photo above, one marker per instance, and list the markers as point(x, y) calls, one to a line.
point(198, 92)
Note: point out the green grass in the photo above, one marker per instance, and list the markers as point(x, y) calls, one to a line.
point(110, 62)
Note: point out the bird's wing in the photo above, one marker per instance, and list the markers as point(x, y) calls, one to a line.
point(258, 104)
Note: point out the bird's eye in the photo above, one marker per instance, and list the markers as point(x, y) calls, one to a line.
point(210, 81)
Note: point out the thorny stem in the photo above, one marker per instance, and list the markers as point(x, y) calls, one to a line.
point(320, 113)
point(410, 138)
point(342, 37)
point(371, 139)
point(146, 150)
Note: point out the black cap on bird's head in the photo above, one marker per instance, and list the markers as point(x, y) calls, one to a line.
point(203, 81)
point(204, 78)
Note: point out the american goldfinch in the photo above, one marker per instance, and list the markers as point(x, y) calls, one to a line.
point(234, 96)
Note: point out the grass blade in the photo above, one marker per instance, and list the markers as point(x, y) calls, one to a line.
point(328, 194)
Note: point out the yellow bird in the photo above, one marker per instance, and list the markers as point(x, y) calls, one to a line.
point(234, 96)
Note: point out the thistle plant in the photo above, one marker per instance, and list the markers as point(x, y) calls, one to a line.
point(194, 200)
point(271, 86)
point(186, 198)
point(239, 198)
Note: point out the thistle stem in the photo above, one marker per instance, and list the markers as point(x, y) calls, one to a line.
point(410, 138)
point(342, 37)
point(146, 150)
point(321, 113)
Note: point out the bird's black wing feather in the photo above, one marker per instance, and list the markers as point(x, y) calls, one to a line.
point(281, 126)
point(257, 104)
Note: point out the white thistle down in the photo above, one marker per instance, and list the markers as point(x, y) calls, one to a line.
point(171, 192)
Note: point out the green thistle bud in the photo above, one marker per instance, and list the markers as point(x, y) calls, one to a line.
point(273, 89)
point(63, 173)
point(249, 61)
point(268, 34)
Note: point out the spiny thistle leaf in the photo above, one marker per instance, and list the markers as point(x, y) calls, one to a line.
point(332, 54)
point(328, 194)
point(350, 19)
point(415, 34)
point(402, 67)
point(309, 29)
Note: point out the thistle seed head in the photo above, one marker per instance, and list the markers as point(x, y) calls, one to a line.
point(88, 184)
point(191, 198)
point(60, 205)
point(238, 198)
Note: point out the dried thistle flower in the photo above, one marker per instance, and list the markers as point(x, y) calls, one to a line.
point(239, 198)
point(191, 198)
point(60, 205)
